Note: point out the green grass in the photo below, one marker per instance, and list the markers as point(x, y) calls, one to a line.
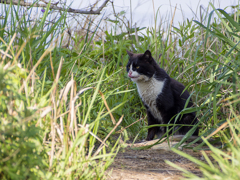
point(222, 102)
point(63, 110)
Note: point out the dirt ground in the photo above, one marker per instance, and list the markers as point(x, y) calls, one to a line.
point(150, 164)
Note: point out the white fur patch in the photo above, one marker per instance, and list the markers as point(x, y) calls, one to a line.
point(134, 73)
point(149, 91)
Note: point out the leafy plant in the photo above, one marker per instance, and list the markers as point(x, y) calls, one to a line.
point(223, 102)
point(50, 130)
point(22, 152)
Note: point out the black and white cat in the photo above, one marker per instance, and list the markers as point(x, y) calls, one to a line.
point(162, 96)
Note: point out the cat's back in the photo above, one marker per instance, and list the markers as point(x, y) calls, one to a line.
point(179, 92)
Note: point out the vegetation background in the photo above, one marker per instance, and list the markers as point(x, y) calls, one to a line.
point(67, 105)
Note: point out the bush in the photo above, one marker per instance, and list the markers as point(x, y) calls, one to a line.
point(22, 154)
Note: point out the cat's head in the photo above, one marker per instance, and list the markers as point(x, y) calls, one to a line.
point(140, 67)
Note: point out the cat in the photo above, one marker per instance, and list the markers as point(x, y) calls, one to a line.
point(162, 96)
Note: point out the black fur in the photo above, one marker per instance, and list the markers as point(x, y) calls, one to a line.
point(170, 101)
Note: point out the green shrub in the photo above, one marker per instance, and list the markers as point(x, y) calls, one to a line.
point(22, 153)
point(221, 106)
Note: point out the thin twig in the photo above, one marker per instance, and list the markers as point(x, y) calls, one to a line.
point(101, 146)
point(55, 7)
point(221, 127)
point(120, 131)
point(8, 48)
point(94, 135)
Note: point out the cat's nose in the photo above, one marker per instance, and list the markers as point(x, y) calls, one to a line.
point(130, 73)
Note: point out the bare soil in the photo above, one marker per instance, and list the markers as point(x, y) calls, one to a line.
point(150, 164)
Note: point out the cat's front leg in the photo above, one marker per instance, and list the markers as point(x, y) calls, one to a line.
point(153, 130)
point(151, 133)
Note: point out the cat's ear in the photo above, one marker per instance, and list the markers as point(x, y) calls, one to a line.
point(147, 55)
point(130, 53)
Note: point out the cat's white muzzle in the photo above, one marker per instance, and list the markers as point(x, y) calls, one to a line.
point(139, 78)
point(133, 75)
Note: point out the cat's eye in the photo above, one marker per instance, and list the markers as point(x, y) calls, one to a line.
point(137, 67)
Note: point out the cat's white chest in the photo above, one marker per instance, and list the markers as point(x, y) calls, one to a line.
point(149, 91)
